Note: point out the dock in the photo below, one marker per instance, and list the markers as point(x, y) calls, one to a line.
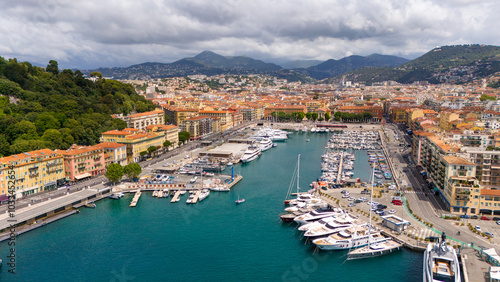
point(339, 175)
point(196, 196)
point(176, 196)
point(136, 198)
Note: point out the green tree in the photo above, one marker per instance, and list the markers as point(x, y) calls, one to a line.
point(96, 74)
point(327, 116)
point(314, 116)
point(485, 97)
point(132, 170)
point(167, 119)
point(4, 146)
point(152, 149)
point(54, 137)
point(167, 144)
point(179, 143)
point(301, 116)
point(52, 67)
point(308, 116)
point(46, 121)
point(114, 172)
point(183, 136)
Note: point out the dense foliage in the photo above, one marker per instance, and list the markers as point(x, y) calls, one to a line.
point(54, 109)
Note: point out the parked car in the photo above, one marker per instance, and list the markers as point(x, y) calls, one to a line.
point(485, 218)
point(345, 196)
point(392, 211)
point(474, 217)
point(464, 216)
point(489, 234)
point(477, 228)
point(344, 192)
point(381, 207)
point(496, 218)
point(351, 204)
point(324, 188)
point(498, 222)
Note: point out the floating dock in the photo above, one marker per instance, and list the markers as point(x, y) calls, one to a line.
point(176, 196)
point(136, 198)
point(196, 196)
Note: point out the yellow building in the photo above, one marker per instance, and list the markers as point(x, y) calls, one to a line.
point(178, 115)
point(225, 118)
point(171, 133)
point(136, 141)
point(34, 172)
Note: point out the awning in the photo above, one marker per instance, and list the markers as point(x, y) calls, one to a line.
point(52, 183)
point(461, 207)
point(81, 176)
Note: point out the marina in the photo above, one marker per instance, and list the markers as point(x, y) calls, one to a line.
point(220, 220)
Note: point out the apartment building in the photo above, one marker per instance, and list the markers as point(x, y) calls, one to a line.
point(197, 126)
point(225, 118)
point(34, 172)
point(177, 115)
point(136, 141)
point(142, 120)
point(83, 162)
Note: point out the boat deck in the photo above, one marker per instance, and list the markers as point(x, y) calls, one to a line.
point(196, 196)
point(372, 250)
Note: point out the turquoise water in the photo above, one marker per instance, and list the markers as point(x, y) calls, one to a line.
point(215, 240)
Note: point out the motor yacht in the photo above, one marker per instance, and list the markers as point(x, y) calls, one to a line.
point(441, 262)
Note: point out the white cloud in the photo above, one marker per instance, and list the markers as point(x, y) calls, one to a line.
point(119, 33)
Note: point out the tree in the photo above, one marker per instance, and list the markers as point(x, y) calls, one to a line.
point(132, 170)
point(308, 116)
point(114, 172)
point(301, 116)
point(183, 136)
point(179, 143)
point(314, 116)
point(337, 116)
point(52, 67)
point(151, 149)
point(485, 97)
point(327, 116)
point(167, 144)
point(96, 74)
point(167, 119)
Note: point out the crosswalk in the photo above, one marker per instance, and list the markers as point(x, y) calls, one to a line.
point(421, 232)
point(415, 192)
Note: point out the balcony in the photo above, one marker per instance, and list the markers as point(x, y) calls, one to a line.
point(51, 164)
point(33, 168)
point(462, 198)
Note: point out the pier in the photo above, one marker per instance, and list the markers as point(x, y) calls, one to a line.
point(196, 196)
point(339, 176)
point(136, 198)
point(176, 196)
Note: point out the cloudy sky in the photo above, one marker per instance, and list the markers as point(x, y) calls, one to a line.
point(90, 33)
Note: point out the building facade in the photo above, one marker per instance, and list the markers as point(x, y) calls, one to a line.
point(34, 171)
point(83, 162)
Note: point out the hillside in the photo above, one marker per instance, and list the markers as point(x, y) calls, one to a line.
point(447, 64)
point(53, 109)
point(332, 68)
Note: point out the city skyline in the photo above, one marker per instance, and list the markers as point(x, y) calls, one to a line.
point(101, 34)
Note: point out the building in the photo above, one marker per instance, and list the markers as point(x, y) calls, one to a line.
point(459, 183)
point(142, 120)
point(83, 162)
point(136, 141)
point(225, 118)
point(116, 151)
point(177, 115)
point(285, 109)
point(34, 172)
point(376, 111)
point(198, 126)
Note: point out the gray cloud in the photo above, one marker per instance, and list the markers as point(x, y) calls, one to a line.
point(118, 33)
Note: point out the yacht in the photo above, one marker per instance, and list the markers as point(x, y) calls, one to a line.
point(193, 180)
point(441, 262)
point(338, 224)
point(352, 237)
point(116, 196)
point(251, 154)
point(265, 144)
point(317, 223)
point(204, 193)
point(316, 215)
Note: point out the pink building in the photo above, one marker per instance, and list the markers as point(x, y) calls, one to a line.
point(82, 162)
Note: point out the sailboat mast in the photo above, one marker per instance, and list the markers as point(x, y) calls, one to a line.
point(298, 173)
point(371, 201)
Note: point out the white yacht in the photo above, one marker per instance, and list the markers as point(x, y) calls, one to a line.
point(337, 225)
point(265, 144)
point(353, 237)
point(318, 223)
point(204, 193)
point(316, 215)
point(441, 262)
point(250, 154)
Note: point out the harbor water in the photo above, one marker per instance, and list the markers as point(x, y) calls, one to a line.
point(214, 240)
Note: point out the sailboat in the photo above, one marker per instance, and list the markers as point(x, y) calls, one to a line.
point(381, 247)
point(240, 201)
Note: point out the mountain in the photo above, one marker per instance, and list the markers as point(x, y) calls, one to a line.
point(300, 64)
point(207, 62)
point(332, 68)
point(450, 64)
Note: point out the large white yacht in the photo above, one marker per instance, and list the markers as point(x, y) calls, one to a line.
point(338, 224)
point(353, 237)
point(265, 144)
point(441, 262)
point(316, 215)
point(251, 154)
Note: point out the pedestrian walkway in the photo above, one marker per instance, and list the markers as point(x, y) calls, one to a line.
point(421, 232)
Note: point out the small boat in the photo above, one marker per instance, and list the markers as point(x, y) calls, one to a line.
point(307, 140)
point(90, 205)
point(229, 163)
point(240, 201)
point(274, 144)
point(116, 196)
